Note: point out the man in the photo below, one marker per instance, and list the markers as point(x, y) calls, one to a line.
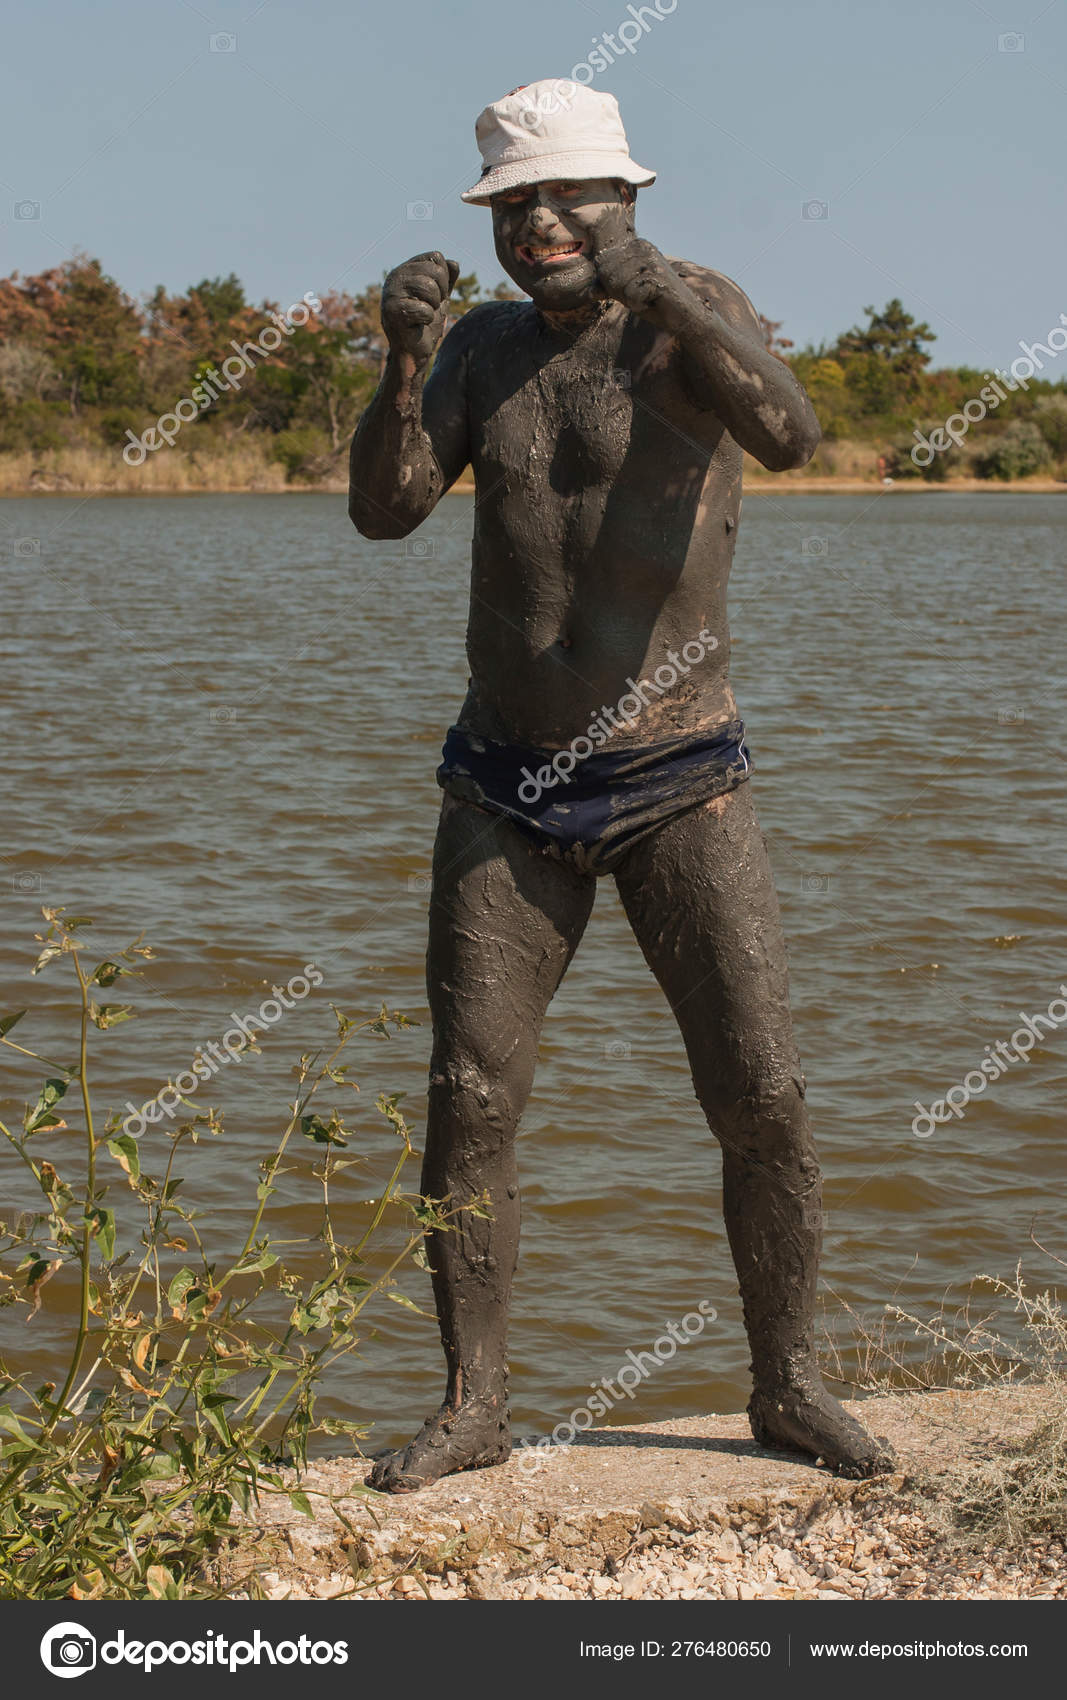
point(605, 421)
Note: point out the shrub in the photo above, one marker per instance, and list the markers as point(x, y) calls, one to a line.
point(189, 1379)
point(1017, 1492)
point(304, 452)
point(1018, 452)
point(1050, 417)
point(901, 465)
point(34, 425)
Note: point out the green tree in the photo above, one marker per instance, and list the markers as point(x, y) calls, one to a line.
point(895, 340)
point(100, 329)
point(326, 376)
point(222, 298)
point(83, 321)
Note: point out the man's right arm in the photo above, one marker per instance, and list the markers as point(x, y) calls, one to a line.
point(404, 456)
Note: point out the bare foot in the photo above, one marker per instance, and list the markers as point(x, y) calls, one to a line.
point(806, 1418)
point(470, 1436)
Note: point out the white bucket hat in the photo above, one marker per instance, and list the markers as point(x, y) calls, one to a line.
point(551, 129)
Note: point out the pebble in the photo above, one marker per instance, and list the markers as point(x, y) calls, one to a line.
point(874, 1551)
point(881, 1544)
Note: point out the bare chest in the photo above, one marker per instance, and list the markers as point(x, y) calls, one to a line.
point(570, 420)
point(573, 434)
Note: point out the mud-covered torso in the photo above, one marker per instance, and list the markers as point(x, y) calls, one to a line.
point(607, 509)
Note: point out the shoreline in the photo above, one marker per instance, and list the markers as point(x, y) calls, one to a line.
point(686, 1509)
point(752, 487)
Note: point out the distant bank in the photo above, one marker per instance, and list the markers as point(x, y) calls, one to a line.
point(247, 470)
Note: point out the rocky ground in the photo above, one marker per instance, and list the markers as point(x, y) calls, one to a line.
point(690, 1510)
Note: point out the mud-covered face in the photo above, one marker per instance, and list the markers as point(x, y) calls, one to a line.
point(546, 234)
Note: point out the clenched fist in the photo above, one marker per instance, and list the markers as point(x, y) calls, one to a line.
point(629, 269)
point(415, 305)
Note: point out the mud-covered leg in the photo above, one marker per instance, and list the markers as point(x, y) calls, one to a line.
point(505, 920)
point(701, 900)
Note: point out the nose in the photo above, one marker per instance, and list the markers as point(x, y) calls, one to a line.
point(542, 219)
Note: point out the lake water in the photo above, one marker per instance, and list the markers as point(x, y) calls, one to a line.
point(221, 717)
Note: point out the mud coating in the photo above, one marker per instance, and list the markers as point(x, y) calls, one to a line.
point(604, 419)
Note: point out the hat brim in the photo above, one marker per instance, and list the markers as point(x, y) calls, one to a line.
point(518, 173)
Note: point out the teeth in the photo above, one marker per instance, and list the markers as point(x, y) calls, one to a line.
point(539, 253)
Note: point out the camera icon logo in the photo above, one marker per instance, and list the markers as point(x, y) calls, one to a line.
point(25, 881)
point(419, 882)
point(68, 1650)
point(222, 716)
point(815, 882)
point(26, 546)
point(1010, 716)
point(419, 548)
point(1012, 42)
point(224, 42)
point(816, 209)
point(617, 1048)
point(27, 209)
point(815, 546)
point(420, 209)
point(622, 378)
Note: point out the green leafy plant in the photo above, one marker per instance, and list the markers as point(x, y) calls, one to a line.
point(190, 1380)
point(1019, 452)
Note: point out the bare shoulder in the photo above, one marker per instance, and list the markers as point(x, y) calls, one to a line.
point(486, 322)
point(720, 292)
point(476, 331)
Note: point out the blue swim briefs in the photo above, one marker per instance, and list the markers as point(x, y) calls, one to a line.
point(605, 802)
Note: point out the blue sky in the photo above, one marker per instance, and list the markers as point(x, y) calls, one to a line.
point(933, 133)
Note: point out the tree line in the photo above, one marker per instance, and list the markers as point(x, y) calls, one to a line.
point(84, 364)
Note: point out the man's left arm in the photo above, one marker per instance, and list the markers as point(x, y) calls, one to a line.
point(728, 367)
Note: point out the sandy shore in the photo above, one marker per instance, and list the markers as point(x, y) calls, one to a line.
point(690, 1509)
point(755, 486)
point(786, 485)
point(800, 485)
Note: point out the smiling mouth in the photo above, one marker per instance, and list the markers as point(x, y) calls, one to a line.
point(549, 253)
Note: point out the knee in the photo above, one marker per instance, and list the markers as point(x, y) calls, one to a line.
point(764, 1117)
point(484, 1098)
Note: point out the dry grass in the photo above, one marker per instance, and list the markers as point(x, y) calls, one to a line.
point(896, 1352)
point(77, 471)
point(1019, 1492)
point(838, 459)
point(848, 464)
point(247, 466)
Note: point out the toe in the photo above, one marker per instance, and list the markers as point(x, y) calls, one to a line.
point(385, 1476)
